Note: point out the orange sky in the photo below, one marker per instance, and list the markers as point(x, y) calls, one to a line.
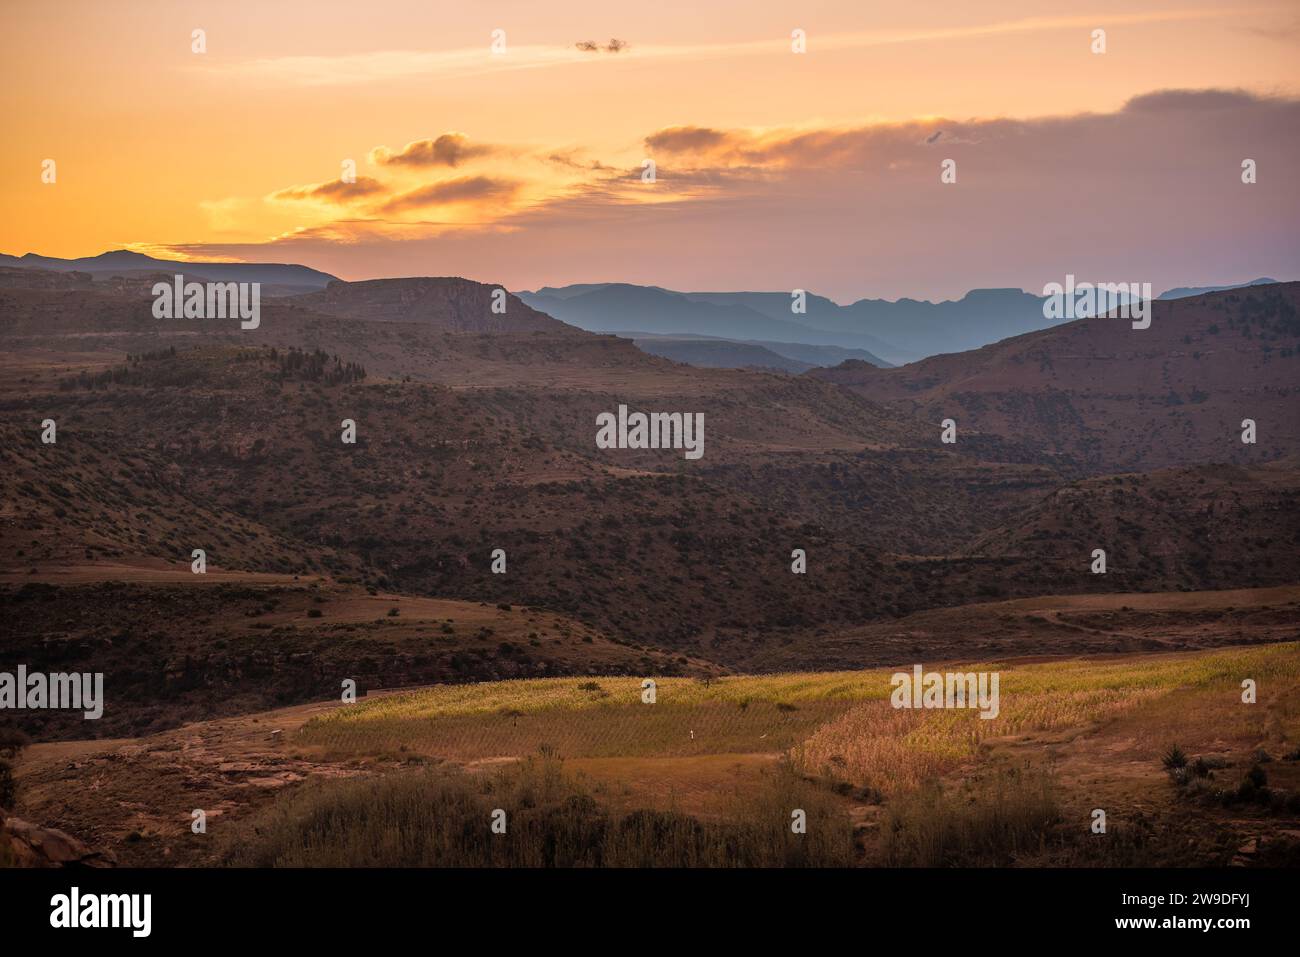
point(777, 169)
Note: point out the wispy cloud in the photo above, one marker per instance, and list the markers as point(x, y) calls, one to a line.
point(387, 65)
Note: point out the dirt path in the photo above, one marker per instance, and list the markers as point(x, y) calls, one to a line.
point(137, 795)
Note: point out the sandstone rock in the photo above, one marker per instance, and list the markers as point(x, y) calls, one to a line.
point(34, 846)
point(1245, 855)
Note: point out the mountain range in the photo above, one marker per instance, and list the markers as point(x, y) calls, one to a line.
point(710, 329)
point(475, 432)
point(893, 332)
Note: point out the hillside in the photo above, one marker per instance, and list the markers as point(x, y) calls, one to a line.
point(718, 354)
point(373, 561)
point(474, 434)
point(1105, 397)
point(176, 647)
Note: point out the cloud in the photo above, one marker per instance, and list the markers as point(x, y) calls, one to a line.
point(335, 191)
point(569, 160)
point(777, 149)
point(591, 46)
point(860, 210)
point(384, 66)
point(1175, 101)
point(897, 145)
point(391, 202)
point(449, 149)
point(689, 139)
point(464, 189)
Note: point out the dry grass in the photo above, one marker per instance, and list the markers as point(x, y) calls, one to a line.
point(837, 728)
point(873, 745)
point(441, 818)
point(604, 718)
point(993, 819)
point(837, 725)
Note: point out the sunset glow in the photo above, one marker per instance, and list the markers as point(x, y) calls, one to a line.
point(524, 166)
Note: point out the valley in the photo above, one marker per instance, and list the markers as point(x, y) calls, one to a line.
point(478, 541)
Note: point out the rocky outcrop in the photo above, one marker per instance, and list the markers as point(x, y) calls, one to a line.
point(27, 845)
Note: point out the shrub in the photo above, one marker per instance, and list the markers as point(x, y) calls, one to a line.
point(440, 817)
point(990, 821)
point(12, 741)
point(1174, 759)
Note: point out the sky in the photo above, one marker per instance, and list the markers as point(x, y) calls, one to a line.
point(506, 141)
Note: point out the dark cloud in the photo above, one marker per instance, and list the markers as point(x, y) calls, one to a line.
point(896, 143)
point(591, 46)
point(466, 189)
point(688, 139)
point(570, 161)
point(1163, 101)
point(449, 149)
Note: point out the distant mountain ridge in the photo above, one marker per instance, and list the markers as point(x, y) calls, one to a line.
point(285, 278)
point(1183, 292)
point(898, 331)
point(747, 325)
point(624, 308)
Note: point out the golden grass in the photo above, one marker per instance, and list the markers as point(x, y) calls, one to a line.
point(873, 745)
point(733, 715)
point(834, 724)
point(949, 797)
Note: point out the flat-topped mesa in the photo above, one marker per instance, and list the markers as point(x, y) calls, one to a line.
point(448, 303)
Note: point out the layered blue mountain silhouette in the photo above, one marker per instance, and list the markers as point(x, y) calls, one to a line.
point(721, 329)
point(892, 332)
